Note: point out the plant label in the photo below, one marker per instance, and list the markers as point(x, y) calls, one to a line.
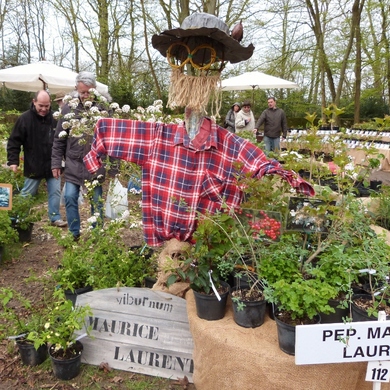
point(342, 343)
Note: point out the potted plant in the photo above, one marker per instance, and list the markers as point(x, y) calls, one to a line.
point(20, 318)
point(73, 273)
point(23, 216)
point(260, 228)
point(61, 322)
point(206, 265)
point(102, 259)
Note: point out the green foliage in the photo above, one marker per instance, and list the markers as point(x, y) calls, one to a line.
point(8, 234)
point(101, 259)
point(23, 213)
point(382, 216)
point(9, 176)
point(20, 316)
point(303, 297)
point(61, 322)
point(282, 260)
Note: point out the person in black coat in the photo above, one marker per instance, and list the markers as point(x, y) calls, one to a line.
point(230, 120)
point(34, 131)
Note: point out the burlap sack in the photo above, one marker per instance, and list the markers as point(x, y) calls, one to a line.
point(229, 357)
point(169, 258)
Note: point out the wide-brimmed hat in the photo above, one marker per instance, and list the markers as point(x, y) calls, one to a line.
point(60, 95)
point(197, 30)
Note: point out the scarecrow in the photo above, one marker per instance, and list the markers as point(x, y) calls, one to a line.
point(197, 53)
point(188, 168)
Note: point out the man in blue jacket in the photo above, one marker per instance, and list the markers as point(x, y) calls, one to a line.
point(34, 131)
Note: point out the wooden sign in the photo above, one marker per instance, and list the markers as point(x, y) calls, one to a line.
point(139, 330)
point(5, 196)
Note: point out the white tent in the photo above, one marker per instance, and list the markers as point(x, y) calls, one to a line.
point(253, 80)
point(42, 75)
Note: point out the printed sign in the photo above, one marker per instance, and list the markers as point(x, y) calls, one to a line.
point(5, 196)
point(139, 330)
point(342, 343)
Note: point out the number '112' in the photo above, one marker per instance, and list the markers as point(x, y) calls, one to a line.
point(379, 374)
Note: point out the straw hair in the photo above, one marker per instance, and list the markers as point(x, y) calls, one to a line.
point(193, 91)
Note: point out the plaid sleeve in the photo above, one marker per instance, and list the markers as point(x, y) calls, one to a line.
point(273, 167)
point(92, 160)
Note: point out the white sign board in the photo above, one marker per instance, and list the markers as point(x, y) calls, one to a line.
point(139, 330)
point(342, 343)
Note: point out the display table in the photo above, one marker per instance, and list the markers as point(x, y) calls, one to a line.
point(354, 151)
point(227, 356)
point(359, 155)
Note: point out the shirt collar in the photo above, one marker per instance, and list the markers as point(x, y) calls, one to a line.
point(206, 138)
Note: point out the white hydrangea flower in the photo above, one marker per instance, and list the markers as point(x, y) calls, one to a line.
point(92, 220)
point(103, 99)
point(114, 106)
point(66, 125)
point(88, 104)
point(63, 134)
point(56, 115)
point(126, 108)
point(94, 109)
point(69, 115)
point(94, 91)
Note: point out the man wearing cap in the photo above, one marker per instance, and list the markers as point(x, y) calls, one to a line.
point(34, 131)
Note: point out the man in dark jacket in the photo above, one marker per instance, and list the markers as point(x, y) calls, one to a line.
point(73, 149)
point(34, 131)
point(275, 124)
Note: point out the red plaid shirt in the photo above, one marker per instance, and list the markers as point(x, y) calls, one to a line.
point(181, 177)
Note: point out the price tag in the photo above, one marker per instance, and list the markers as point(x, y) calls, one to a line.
point(378, 371)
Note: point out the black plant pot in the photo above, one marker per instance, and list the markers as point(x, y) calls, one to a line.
point(286, 335)
point(72, 296)
point(337, 316)
point(149, 281)
point(360, 314)
point(25, 235)
point(271, 310)
point(208, 307)
point(66, 369)
point(375, 185)
point(252, 315)
point(31, 356)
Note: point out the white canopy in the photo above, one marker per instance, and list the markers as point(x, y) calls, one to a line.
point(42, 75)
point(253, 80)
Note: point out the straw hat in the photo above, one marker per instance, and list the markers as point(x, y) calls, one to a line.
point(60, 95)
